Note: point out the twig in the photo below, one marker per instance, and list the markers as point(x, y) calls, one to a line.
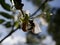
point(38, 8)
point(22, 12)
point(8, 35)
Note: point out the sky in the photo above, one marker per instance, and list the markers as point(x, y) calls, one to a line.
point(55, 3)
point(20, 35)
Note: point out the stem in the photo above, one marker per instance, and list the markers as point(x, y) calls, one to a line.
point(22, 12)
point(8, 35)
point(39, 8)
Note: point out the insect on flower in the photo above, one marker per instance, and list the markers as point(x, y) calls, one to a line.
point(26, 23)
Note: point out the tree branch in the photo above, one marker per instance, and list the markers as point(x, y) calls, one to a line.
point(39, 8)
point(8, 35)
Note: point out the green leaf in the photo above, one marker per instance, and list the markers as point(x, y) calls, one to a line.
point(6, 15)
point(1, 21)
point(7, 24)
point(5, 5)
point(16, 24)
